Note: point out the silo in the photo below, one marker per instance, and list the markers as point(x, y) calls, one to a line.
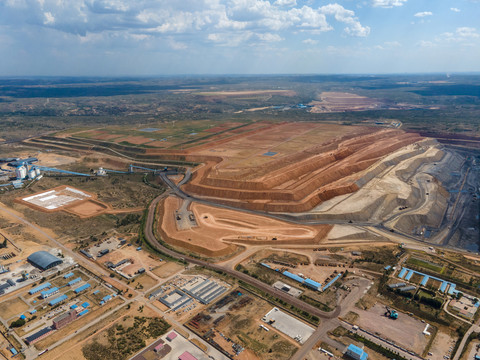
point(21, 172)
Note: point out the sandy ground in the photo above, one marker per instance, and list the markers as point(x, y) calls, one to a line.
point(441, 345)
point(406, 330)
point(216, 226)
point(167, 269)
point(12, 307)
point(139, 259)
point(248, 92)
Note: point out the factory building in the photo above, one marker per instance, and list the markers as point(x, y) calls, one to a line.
point(47, 293)
point(58, 300)
point(39, 288)
point(39, 335)
point(64, 319)
point(356, 353)
point(44, 260)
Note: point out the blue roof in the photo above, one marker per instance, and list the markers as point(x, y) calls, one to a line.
point(266, 265)
point(74, 281)
point(402, 273)
point(23, 317)
point(44, 260)
point(83, 312)
point(82, 288)
point(66, 276)
point(50, 291)
point(85, 304)
point(74, 306)
point(332, 281)
point(106, 298)
point(388, 267)
point(425, 280)
point(13, 351)
point(33, 311)
point(311, 283)
point(451, 289)
point(355, 349)
point(58, 300)
point(293, 276)
point(443, 287)
point(39, 288)
point(409, 275)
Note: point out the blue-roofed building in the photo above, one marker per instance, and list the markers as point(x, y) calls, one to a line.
point(23, 317)
point(388, 267)
point(38, 335)
point(332, 282)
point(425, 280)
point(13, 351)
point(74, 281)
point(443, 287)
point(74, 306)
point(266, 265)
point(85, 305)
point(83, 312)
point(44, 260)
point(47, 293)
point(293, 276)
point(96, 292)
point(39, 288)
point(356, 353)
point(402, 273)
point(33, 312)
point(313, 284)
point(409, 275)
point(69, 275)
point(451, 289)
point(82, 288)
point(58, 300)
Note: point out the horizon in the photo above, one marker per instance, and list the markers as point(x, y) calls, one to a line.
point(217, 37)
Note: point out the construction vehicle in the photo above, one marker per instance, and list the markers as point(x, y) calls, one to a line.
point(391, 314)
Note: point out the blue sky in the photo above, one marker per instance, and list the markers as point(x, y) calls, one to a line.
point(157, 37)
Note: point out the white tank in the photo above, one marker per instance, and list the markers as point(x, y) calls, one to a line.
point(37, 171)
point(21, 173)
point(31, 174)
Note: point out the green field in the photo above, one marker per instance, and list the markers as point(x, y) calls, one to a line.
point(425, 264)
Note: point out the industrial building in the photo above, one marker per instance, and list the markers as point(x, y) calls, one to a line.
point(74, 281)
point(203, 290)
point(443, 287)
point(64, 319)
point(175, 299)
point(47, 293)
point(39, 335)
point(81, 288)
point(44, 260)
point(356, 353)
point(187, 356)
point(39, 288)
point(58, 300)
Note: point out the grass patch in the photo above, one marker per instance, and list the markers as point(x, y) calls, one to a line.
point(425, 264)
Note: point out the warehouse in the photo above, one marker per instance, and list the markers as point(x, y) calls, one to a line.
point(58, 300)
point(39, 288)
point(44, 260)
point(39, 335)
point(82, 288)
point(47, 293)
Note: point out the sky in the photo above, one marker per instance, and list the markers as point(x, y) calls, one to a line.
point(168, 37)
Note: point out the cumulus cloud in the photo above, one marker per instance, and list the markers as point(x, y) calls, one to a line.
point(423, 14)
point(310, 41)
point(286, 2)
point(208, 20)
point(455, 9)
point(387, 3)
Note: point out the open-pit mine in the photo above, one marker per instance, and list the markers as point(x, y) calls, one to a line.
point(290, 183)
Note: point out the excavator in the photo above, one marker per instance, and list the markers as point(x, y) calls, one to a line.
point(391, 314)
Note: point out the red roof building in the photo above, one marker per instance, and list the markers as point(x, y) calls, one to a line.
point(187, 356)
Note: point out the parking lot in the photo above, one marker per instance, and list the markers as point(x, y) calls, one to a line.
point(288, 325)
point(406, 331)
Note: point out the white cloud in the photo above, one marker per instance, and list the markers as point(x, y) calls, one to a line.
point(423, 14)
point(49, 18)
point(286, 2)
point(310, 41)
point(268, 37)
point(387, 3)
point(455, 9)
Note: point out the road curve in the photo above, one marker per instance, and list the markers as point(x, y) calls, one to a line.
point(149, 234)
